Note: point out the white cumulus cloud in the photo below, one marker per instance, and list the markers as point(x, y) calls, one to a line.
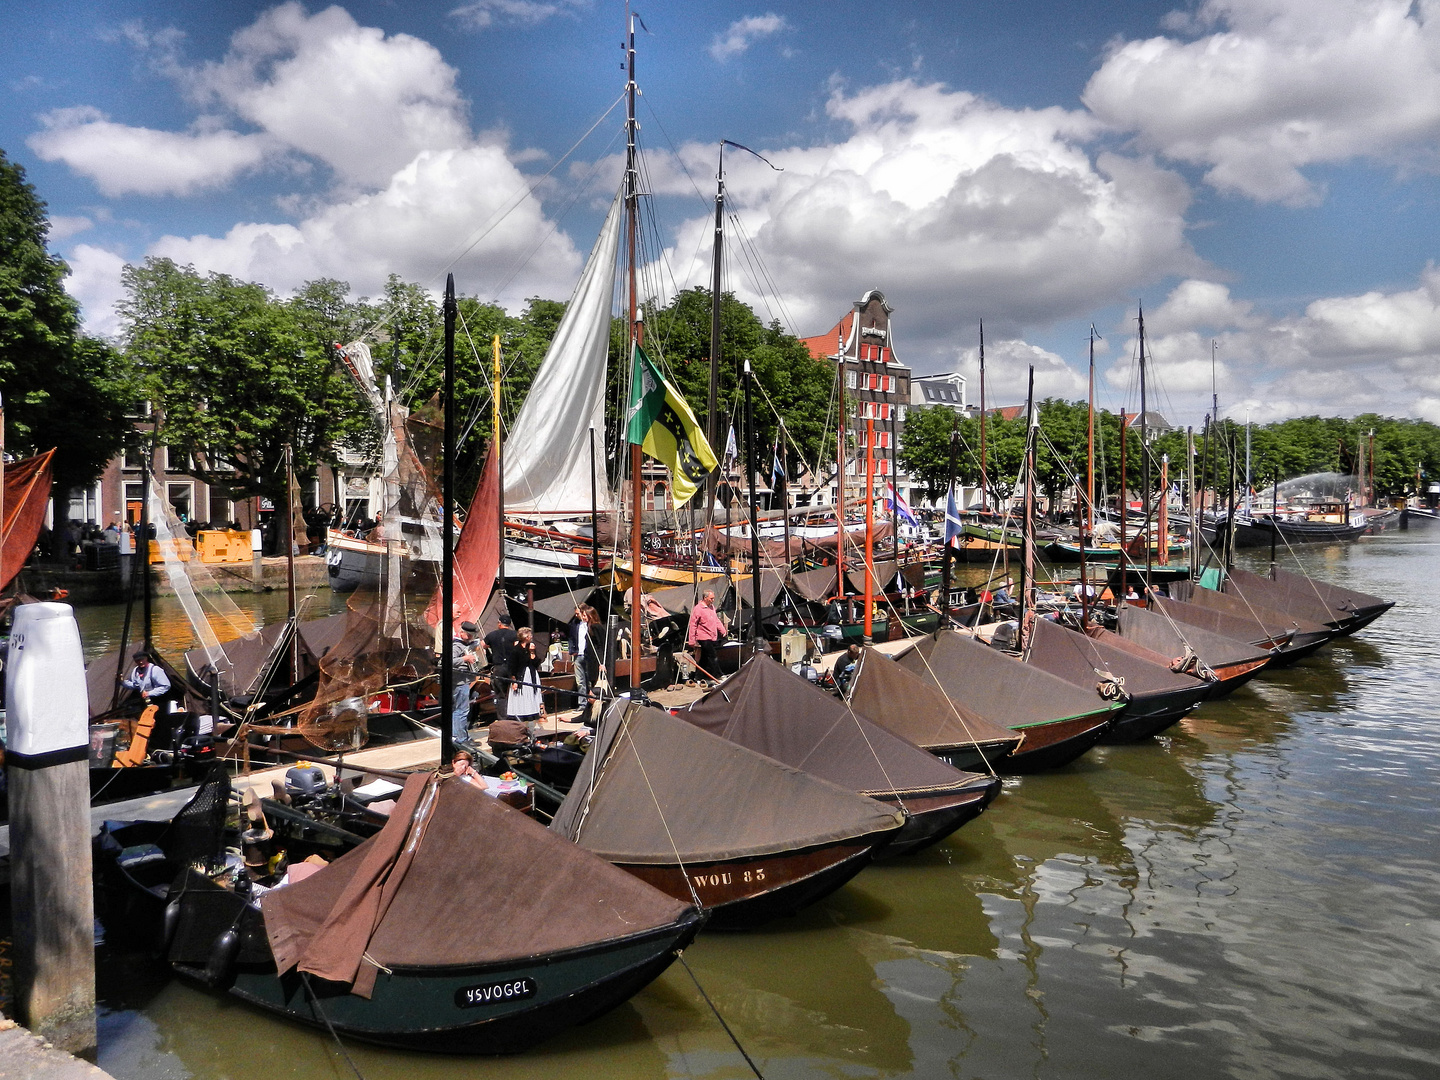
point(742, 33)
point(124, 160)
point(1280, 85)
point(478, 14)
point(94, 281)
point(958, 208)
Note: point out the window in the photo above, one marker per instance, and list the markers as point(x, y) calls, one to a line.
point(880, 354)
point(850, 379)
point(134, 459)
point(176, 460)
point(874, 382)
point(181, 498)
point(900, 414)
point(134, 499)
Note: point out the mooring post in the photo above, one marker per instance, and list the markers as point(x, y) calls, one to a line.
point(48, 774)
point(257, 560)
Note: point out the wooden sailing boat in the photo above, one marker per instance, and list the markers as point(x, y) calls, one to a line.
point(1298, 596)
point(771, 710)
point(1228, 661)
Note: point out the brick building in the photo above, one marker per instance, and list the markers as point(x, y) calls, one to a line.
point(877, 387)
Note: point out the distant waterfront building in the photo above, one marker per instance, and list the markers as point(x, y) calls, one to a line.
point(877, 387)
point(946, 389)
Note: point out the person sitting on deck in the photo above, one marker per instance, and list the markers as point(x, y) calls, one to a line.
point(844, 669)
point(147, 677)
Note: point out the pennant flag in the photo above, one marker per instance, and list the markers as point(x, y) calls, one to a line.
point(661, 423)
point(777, 470)
point(954, 527)
point(731, 450)
point(896, 504)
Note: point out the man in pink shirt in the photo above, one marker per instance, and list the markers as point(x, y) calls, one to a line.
point(706, 630)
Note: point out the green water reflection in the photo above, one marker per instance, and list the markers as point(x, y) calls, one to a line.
point(1252, 895)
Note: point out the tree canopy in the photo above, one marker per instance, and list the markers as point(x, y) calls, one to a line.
point(60, 388)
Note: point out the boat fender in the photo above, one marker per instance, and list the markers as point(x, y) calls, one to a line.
point(220, 968)
point(170, 925)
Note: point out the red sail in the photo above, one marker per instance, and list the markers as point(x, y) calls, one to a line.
point(477, 553)
point(27, 490)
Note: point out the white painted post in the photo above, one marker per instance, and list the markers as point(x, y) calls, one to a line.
point(48, 773)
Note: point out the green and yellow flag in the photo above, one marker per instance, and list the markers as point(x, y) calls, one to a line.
point(662, 424)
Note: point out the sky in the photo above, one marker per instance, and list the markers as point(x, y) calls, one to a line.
point(1261, 175)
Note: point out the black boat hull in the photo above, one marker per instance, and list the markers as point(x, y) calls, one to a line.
point(427, 1009)
point(1148, 715)
point(1057, 744)
point(932, 819)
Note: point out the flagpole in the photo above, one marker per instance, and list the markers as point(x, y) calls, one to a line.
point(785, 497)
point(632, 206)
point(752, 466)
point(447, 566)
point(869, 528)
point(949, 501)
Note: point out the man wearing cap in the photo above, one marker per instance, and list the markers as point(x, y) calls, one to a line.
point(148, 678)
point(463, 659)
point(498, 644)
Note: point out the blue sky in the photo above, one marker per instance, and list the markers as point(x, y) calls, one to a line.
point(1260, 174)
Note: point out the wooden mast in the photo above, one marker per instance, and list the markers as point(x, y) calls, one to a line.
point(712, 427)
point(869, 529)
point(1144, 455)
point(1027, 534)
point(1124, 556)
point(498, 442)
point(1087, 519)
point(946, 556)
point(840, 473)
point(984, 480)
point(632, 206)
point(294, 649)
point(447, 554)
point(752, 467)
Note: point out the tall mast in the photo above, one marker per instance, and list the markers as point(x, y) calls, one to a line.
point(753, 468)
point(1124, 558)
point(949, 498)
point(1144, 455)
point(1247, 463)
point(1195, 536)
point(447, 566)
point(290, 562)
point(632, 229)
point(784, 494)
point(499, 446)
point(712, 429)
point(984, 481)
point(1087, 520)
point(1027, 533)
point(840, 473)
point(869, 528)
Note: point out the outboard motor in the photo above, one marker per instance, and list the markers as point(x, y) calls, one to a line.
point(304, 780)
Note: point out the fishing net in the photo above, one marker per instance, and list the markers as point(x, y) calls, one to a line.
point(197, 832)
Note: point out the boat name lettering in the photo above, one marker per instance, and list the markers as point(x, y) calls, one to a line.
point(702, 880)
point(469, 997)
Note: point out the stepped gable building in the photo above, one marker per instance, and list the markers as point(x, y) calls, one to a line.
point(877, 386)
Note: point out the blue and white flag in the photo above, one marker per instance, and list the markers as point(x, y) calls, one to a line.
point(897, 505)
point(953, 525)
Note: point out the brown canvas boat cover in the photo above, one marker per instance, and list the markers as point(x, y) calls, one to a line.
point(816, 585)
point(998, 687)
point(27, 493)
point(667, 791)
point(247, 656)
point(1270, 621)
point(1076, 658)
point(1125, 645)
point(767, 707)
point(885, 571)
point(1350, 601)
point(771, 582)
point(319, 636)
point(1296, 595)
point(1221, 622)
point(679, 599)
point(454, 878)
point(1169, 638)
point(903, 703)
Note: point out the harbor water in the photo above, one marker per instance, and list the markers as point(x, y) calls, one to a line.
point(1255, 894)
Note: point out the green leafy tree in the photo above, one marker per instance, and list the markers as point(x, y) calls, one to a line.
point(234, 374)
point(61, 389)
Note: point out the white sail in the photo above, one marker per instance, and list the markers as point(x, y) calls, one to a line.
point(547, 457)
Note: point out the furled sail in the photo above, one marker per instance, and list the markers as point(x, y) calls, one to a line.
point(548, 463)
point(27, 490)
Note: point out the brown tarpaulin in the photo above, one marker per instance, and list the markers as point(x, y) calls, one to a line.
point(1169, 638)
point(817, 585)
point(900, 701)
point(1220, 622)
point(769, 709)
point(27, 491)
point(479, 884)
point(680, 599)
point(1075, 658)
point(247, 656)
point(668, 791)
point(1267, 619)
point(996, 686)
point(1302, 597)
